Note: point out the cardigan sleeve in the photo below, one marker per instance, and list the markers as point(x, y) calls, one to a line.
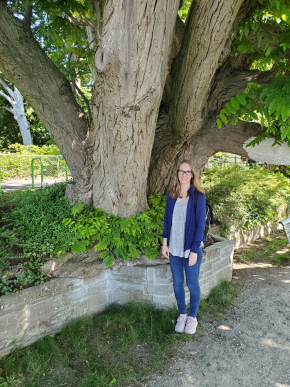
point(165, 224)
point(199, 223)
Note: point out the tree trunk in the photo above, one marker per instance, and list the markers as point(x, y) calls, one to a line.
point(16, 100)
point(19, 115)
point(126, 98)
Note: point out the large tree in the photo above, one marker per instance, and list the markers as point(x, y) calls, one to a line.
point(159, 85)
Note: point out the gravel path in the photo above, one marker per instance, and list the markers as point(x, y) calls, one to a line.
point(250, 348)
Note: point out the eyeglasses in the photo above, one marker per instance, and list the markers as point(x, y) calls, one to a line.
point(187, 173)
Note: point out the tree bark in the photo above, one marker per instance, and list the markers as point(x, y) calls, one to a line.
point(131, 62)
point(207, 30)
point(211, 140)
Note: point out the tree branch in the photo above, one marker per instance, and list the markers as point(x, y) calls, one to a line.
point(28, 13)
point(10, 100)
point(229, 85)
point(6, 88)
point(207, 142)
point(24, 63)
point(6, 108)
point(84, 98)
point(87, 19)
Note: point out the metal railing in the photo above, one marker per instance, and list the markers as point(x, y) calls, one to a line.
point(15, 167)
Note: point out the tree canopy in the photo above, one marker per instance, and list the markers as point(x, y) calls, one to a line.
point(127, 89)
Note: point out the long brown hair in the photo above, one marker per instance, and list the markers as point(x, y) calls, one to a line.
point(176, 188)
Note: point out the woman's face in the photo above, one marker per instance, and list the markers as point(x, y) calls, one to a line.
point(184, 173)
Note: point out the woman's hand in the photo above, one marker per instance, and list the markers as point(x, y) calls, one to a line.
point(165, 249)
point(192, 259)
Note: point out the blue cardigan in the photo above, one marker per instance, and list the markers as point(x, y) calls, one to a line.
point(194, 224)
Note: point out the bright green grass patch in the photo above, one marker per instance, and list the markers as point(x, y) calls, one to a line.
point(220, 299)
point(118, 347)
point(124, 343)
point(273, 249)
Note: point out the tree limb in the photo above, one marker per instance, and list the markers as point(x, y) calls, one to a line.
point(44, 86)
point(28, 13)
point(87, 19)
point(229, 85)
point(10, 100)
point(84, 98)
point(207, 142)
point(6, 88)
point(6, 108)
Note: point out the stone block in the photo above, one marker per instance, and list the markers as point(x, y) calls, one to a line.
point(38, 313)
point(150, 274)
point(97, 303)
point(206, 266)
point(130, 272)
point(165, 301)
point(222, 264)
point(78, 293)
point(120, 296)
point(95, 280)
point(212, 252)
point(225, 274)
point(126, 286)
point(159, 289)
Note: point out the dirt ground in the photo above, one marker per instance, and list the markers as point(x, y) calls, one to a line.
point(249, 348)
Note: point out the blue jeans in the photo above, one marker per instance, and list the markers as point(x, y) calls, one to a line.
point(178, 266)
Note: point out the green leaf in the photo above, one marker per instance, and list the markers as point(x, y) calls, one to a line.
point(230, 108)
point(285, 113)
point(102, 245)
point(108, 261)
point(80, 246)
point(235, 103)
point(223, 117)
point(241, 98)
point(219, 123)
point(269, 50)
point(272, 106)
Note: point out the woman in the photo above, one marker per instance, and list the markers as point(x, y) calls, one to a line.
point(183, 236)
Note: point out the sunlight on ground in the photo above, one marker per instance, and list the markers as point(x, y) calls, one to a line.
point(272, 344)
point(224, 328)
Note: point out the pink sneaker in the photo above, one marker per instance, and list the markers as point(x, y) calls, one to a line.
point(179, 327)
point(191, 324)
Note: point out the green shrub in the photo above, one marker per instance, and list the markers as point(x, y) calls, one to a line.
point(43, 224)
point(245, 198)
point(18, 165)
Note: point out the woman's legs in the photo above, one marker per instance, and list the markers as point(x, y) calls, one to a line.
point(176, 265)
point(192, 274)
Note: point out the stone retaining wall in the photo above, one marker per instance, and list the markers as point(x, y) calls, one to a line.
point(244, 238)
point(45, 309)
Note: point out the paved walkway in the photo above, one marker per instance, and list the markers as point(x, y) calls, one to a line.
point(11, 185)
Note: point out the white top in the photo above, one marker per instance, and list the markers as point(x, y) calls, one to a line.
point(176, 243)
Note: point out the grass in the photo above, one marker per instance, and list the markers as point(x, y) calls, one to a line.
point(121, 346)
point(273, 249)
